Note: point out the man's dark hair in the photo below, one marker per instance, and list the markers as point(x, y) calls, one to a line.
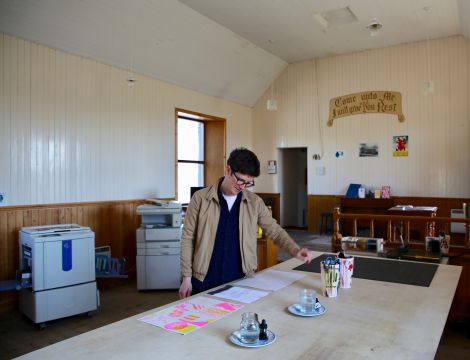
point(244, 161)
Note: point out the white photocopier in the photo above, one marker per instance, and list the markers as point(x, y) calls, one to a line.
point(158, 245)
point(61, 261)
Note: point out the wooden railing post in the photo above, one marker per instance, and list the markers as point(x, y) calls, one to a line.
point(431, 226)
point(336, 238)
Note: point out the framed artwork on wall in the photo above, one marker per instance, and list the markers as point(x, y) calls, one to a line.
point(400, 145)
point(368, 149)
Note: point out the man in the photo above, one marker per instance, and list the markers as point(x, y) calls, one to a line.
point(219, 236)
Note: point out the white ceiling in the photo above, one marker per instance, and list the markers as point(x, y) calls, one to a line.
point(232, 49)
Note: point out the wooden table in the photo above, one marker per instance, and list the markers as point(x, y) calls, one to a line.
point(373, 319)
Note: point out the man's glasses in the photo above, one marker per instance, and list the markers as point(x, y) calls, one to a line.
point(242, 182)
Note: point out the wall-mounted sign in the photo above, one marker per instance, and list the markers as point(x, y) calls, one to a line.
point(387, 102)
point(272, 167)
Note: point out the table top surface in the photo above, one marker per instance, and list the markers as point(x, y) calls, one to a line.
point(372, 319)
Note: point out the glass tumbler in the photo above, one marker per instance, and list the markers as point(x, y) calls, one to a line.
point(307, 298)
point(249, 328)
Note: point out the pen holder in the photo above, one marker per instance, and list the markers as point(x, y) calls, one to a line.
point(330, 273)
point(346, 272)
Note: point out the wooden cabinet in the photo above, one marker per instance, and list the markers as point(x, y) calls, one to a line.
point(460, 310)
point(267, 253)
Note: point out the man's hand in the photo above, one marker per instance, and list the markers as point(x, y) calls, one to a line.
point(303, 254)
point(186, 287)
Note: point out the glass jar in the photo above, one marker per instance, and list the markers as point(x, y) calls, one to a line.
point(249, 328)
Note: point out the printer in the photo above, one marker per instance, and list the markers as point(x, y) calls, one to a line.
point(61, 262)
point(158, 245)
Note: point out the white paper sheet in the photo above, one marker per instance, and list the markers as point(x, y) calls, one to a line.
point(237, 293)
point(271, 280)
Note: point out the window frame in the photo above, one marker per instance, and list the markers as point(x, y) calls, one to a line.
point(214, 150)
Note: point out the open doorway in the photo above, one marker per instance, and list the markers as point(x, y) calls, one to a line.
point(293, 187)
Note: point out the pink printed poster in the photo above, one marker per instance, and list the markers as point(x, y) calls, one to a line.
point(191, 315)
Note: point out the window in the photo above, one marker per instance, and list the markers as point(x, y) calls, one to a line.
point(200, 152)
point(190, 156)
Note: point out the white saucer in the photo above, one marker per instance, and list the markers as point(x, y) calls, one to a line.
point(294, 309)
point(235, 338)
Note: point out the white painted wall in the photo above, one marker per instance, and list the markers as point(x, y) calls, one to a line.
point(438, 124)
point(72, 130)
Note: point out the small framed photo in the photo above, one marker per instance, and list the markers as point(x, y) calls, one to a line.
point(400, 145)
point(368, 150)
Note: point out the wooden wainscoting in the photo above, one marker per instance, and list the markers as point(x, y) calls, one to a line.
point(114, 224)
point(318, 204)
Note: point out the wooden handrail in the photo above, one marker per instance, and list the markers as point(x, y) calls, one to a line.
point(404, 222)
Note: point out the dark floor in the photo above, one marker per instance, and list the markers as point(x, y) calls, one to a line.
point(19, 336)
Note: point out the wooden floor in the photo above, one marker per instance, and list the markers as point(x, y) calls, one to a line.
point(19, 336)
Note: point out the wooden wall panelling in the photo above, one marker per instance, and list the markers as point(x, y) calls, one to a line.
point(318, 204)
point(113, 222)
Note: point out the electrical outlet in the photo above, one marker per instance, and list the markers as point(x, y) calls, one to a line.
point(320, 170)
point(3, 199)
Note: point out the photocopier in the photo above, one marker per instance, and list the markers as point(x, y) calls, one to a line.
point(61, 262)
point(158, 245)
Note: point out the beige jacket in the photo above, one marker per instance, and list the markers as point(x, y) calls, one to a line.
point(200, 227)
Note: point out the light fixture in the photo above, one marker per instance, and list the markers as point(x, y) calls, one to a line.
point(428, 84)
point(271, 104)
point(374, 27)
point(428, 87)
point(131, 81)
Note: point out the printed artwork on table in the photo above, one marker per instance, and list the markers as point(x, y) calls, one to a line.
point(191, 315)
point(400, 145)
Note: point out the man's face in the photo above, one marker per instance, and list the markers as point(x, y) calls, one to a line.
point(237, 182)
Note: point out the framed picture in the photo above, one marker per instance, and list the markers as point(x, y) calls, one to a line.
point(368, 149)
point(400, 145)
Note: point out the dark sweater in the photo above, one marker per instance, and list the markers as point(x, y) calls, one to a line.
point(225, 264)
